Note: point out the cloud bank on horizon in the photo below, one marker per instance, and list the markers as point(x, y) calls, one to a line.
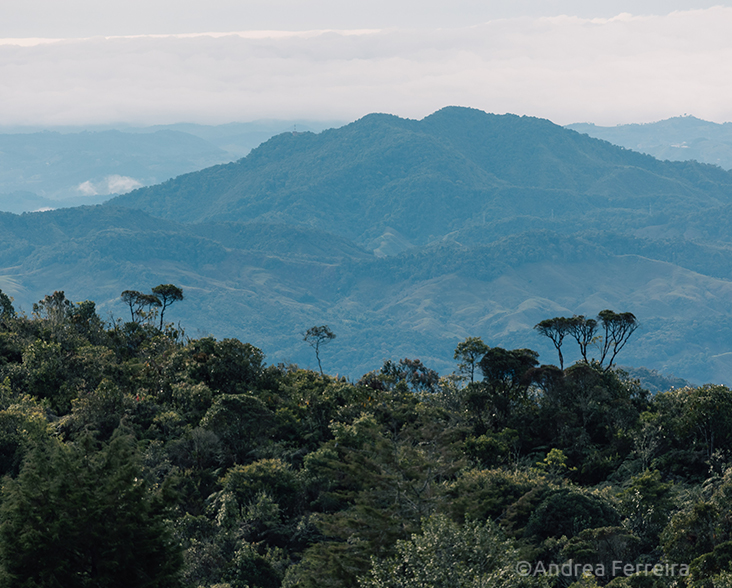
point(606, 70)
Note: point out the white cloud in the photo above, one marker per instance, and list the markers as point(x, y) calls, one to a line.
point(610, 70)
point(113, 184)
point(87, 189)
point(121, 184)
point(86, 18)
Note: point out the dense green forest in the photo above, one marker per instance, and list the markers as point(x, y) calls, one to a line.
point(134, 455)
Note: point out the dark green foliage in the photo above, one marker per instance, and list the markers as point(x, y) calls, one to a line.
point(704, 567)
point(445, 554)
point(411, 372)
point(228, 366)
point(495, 495)
point(694, 424)
point(80, 516)
point(701, 526)
point(10, 349)
point(54, 308)
point(99, 411)
point(6, 307)
point(586, 412)
point(602, 545)
point(269, 476)
point(22, 425)
point(567, 513)
point(506, 380)
point(646, 503)
point(240, 421)
point(377, 480)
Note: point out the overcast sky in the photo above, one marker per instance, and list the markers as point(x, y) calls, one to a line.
point(163, 61)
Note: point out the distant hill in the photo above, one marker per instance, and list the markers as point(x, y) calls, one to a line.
point(386, 178)
point(268, 283)
point(76, 166)
point(19, 202)
point(407, 236)
point(682, 138)
point(238, 138)
point(58, 166)
point(652, 381)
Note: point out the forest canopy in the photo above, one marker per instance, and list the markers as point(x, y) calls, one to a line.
point(133, 455)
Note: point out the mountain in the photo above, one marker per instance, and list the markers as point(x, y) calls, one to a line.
point(681, 138)
point(386, 178)
point(42, 169)
point(406, 237)
point(237, 138)
point(58, 166)
point(20, 202)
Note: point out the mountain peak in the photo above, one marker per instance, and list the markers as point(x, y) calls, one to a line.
point(422, 179)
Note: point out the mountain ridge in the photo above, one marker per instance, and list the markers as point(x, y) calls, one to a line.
point(408, 236)
point(679, 138)
point(380, 170)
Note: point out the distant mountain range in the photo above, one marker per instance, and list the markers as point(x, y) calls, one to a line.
point(407, 236)
point(44, 169)
point(681, 138)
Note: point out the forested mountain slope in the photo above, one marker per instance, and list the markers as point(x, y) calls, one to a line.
point(423, 179)
point(407, 236)
point(269, 283)
point(132, 455)
point(137, 449)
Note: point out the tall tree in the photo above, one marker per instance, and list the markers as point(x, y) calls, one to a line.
point(138, 301)
point(507, 376)
point(317, 337)
point(54, 307)
point(413, 372)
point(555, 329)
point(618, 328)
point(583, 330)
point(168, 294)
point(469, 353)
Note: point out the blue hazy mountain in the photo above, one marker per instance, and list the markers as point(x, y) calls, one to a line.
point(69, 166)
point(418, 181)
point(407, 236)
point(681, 138)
